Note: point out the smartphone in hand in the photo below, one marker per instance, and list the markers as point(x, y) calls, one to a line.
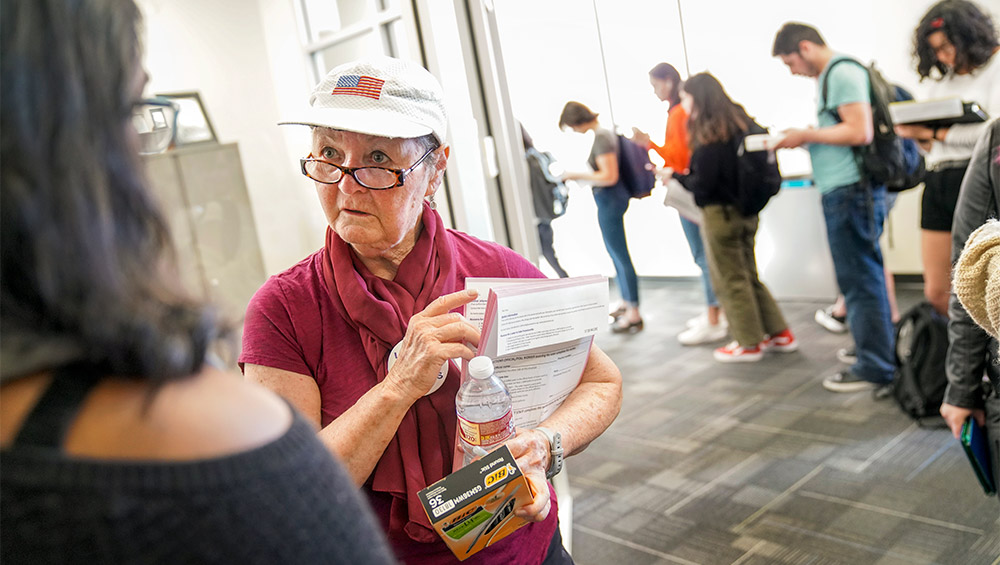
point(977, 449)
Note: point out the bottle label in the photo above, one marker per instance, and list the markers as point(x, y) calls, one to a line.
point(487, 434)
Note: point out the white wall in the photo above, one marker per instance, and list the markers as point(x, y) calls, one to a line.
point(245, 76)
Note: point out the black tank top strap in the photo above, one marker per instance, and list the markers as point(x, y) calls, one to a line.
point(50, 418)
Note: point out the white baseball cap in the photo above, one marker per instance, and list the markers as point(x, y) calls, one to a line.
point(379, 96)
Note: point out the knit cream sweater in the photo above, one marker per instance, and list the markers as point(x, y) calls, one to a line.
point(977, 277)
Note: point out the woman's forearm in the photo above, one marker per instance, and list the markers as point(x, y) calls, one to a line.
point(592, 407)
point(359, 436)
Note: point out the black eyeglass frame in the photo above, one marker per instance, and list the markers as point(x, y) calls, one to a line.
point(400, 173)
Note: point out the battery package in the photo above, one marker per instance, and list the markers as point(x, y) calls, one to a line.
point(473, 507)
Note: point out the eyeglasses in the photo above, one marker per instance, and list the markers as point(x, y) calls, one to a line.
point(155, 120)
point(372, 178)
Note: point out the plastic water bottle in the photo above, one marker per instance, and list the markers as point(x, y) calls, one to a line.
point(485, 413)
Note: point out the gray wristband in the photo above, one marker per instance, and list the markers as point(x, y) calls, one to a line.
point(555, 452)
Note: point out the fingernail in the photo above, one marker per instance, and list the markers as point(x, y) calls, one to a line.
point(472, 292)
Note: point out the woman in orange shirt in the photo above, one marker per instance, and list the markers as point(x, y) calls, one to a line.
point(710, 326)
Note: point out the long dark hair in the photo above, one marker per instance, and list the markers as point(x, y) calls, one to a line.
point(86, 253)
point(667, 72)
point(715, 117)
point(967, 27)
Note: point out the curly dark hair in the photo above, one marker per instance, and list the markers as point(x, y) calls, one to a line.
point(87, 257)
point(967, 27)
point(714, 117)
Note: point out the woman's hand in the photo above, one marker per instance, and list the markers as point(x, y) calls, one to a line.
point(640, 138)
point(918, 133)
point(955, 417)
point(433, 336)
point(664, 174)
point(531, 452)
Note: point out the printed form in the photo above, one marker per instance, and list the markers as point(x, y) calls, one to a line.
point(538, 333)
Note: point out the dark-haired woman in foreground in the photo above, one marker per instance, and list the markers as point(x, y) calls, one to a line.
point(715, 128)
point(955, 44)
point(119, 444)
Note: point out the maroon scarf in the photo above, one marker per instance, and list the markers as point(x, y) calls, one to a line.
point(422, 450)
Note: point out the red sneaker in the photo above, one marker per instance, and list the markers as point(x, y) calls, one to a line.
point(736, 353)
point(783, 342)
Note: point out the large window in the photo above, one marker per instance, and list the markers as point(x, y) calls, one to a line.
point(339, 31)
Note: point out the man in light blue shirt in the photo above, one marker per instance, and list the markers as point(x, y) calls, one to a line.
point(854, 208)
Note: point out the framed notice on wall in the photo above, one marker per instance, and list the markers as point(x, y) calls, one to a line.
point(193, 123)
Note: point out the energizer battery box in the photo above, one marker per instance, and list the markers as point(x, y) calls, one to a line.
point(473, 507)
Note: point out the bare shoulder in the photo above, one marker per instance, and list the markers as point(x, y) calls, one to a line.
point(211, 414)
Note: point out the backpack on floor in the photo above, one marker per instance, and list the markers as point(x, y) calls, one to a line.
point(889, 159)
point(921, 347)
point(635, 170)
point(757, 175)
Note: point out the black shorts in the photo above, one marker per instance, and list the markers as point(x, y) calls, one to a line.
point(937, 207)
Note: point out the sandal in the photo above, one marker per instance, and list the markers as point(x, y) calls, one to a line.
point(618, 313)
point(621, 326)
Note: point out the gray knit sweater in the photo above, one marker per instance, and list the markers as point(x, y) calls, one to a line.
point(285, 502)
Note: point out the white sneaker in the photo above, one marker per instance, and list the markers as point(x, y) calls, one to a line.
point(703, 334)
point(825, 318)
point(702, 320)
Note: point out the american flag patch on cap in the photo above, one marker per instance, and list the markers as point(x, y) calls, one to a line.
point(359, 85)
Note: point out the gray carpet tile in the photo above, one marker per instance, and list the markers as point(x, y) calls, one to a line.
point(757, 464)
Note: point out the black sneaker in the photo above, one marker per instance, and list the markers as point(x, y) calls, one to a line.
point(848, 355)
point(846, 381)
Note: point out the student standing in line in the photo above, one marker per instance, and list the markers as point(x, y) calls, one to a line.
point(715, 128)
point(710, 325)
point(955, 44)
point(612, 201)
point(542, 200)
point(854, 208)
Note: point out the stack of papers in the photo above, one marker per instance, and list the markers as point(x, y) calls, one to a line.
point(761, 141)
point(942, 112)
point(538, 333)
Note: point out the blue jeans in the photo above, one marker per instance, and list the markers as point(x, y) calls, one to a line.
point(854, 217)
point(693, 234)
point(612, 201)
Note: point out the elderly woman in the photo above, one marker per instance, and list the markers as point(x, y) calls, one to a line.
point(359, 335)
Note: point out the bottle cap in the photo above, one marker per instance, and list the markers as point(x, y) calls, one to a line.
point(480, 367)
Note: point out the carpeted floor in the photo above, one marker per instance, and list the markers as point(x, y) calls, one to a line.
point(757, 463)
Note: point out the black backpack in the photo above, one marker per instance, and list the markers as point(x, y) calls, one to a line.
point(757, 175)
point(635, 170)
point(921, 348)
point(888, 159)
point(549, 194)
